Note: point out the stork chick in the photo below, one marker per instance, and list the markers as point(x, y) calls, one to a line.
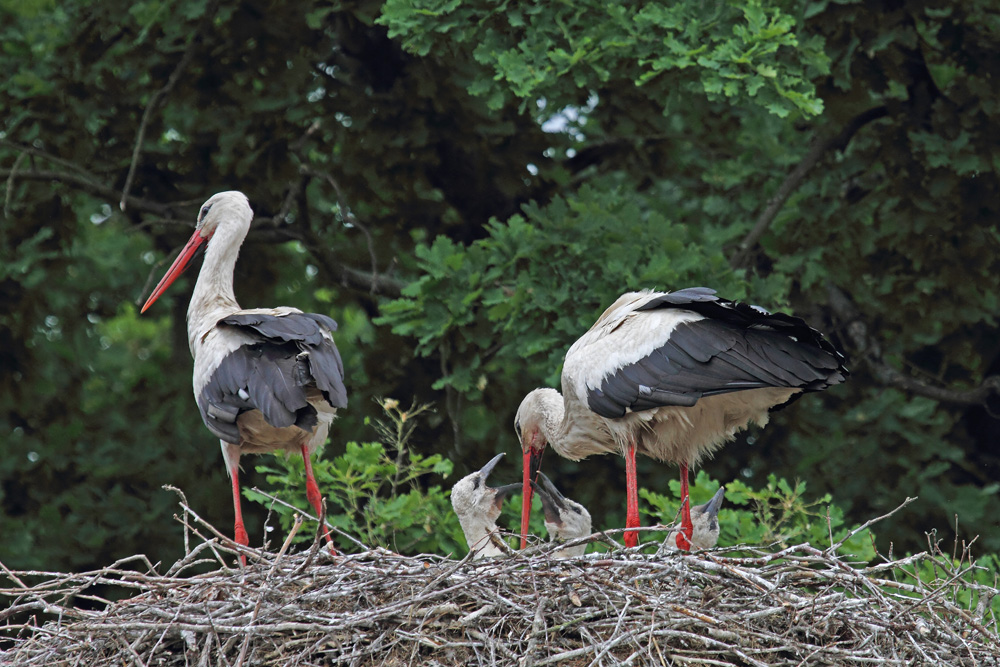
point(705, 522)
point(478, 507)
point(565, 519)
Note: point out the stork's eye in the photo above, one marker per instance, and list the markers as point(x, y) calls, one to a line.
point(517, 428)
point(475, 483)
point(204, 211)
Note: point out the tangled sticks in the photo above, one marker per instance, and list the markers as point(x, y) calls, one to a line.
point(798, 605)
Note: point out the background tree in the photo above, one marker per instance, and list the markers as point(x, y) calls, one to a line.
point(464, 187)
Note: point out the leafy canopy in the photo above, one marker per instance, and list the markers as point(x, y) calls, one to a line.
point(746, 52)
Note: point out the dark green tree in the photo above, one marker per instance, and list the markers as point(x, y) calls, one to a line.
point(464, 187)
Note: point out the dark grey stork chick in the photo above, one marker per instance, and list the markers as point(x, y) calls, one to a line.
point(565, 519)
point(705, 521)
point(478, 507)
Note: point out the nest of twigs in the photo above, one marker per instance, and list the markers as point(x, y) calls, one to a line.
point(730, 606)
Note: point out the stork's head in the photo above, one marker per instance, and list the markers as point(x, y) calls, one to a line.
point(478, 505)
point(231, 207)
point(528, 424)
point(565, 519)
point(705, 519)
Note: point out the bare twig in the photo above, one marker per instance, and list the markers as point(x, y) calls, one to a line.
point(839, 543)
point(162, 93)
point(91, 185)
point(820, 147)
point(868, 347)
point(754, 606)
point(9, 193)
point(350, 219)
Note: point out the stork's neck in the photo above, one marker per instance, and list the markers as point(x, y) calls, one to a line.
point(552, 423)
point(566, 432)
point(477, 529)
point(213, 296)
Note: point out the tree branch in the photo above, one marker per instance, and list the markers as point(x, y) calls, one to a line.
point(819, 148)
point(159, 95)
point(84, 182)
point(348, 217)
point(987, 394)
point(265, 228)
point(353, 278)
point(9, 190)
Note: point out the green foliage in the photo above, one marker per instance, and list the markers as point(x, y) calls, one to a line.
point(779, 514)
point(746, 52)
point(518, 165)
point(374, 491)
point(538, 280)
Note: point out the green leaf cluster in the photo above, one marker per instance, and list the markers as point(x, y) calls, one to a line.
point(743, 52)
point(376, 491)
point(778, 514)
point(540, 278)
point(518, 165)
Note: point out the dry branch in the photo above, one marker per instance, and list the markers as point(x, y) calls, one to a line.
point(869, 349)
point(761, 607)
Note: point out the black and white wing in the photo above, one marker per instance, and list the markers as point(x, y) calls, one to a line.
point(287, 357)
point(672, 349)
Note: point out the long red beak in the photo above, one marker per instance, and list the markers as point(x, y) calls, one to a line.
point(532, 461)
point(177, 268)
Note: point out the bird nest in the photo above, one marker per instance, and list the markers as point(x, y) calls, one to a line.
point(731, 606)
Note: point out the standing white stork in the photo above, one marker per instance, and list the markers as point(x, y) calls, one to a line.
point(565, 519)
point(478, 507)
point(265, 379)
point(673, 375)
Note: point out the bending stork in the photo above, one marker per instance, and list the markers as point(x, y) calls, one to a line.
point(674, 376)
point(478, 507)
point(565, 519)
point(265, 379)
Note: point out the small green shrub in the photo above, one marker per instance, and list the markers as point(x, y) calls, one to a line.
point(777, 514)
point(374, 491)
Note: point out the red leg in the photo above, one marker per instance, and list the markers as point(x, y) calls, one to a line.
point(240, 531)
point(632, 497)
point(312, 493)
point(687, 528)
point(527, 494)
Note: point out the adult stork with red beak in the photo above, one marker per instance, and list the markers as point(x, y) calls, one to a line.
point(265, 379)
point(672, 375)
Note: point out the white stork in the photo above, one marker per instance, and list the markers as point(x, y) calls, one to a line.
point(674, 376)
point(565, 519)
point(478, 507)
point(704, 524)
point(265, 379)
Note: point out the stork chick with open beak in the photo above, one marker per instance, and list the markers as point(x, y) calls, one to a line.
point(705, 523)
point(565, 519)
point(478, 508)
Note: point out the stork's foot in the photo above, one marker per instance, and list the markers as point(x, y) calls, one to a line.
point(240, 537)
point(684, 539)
point(687, 527)
point(315, 498)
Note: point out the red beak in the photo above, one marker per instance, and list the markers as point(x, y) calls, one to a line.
point(177, 268)
point(532, 461)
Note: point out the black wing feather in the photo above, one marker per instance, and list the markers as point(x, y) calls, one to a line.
point(291, 355)
point(735, 348)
